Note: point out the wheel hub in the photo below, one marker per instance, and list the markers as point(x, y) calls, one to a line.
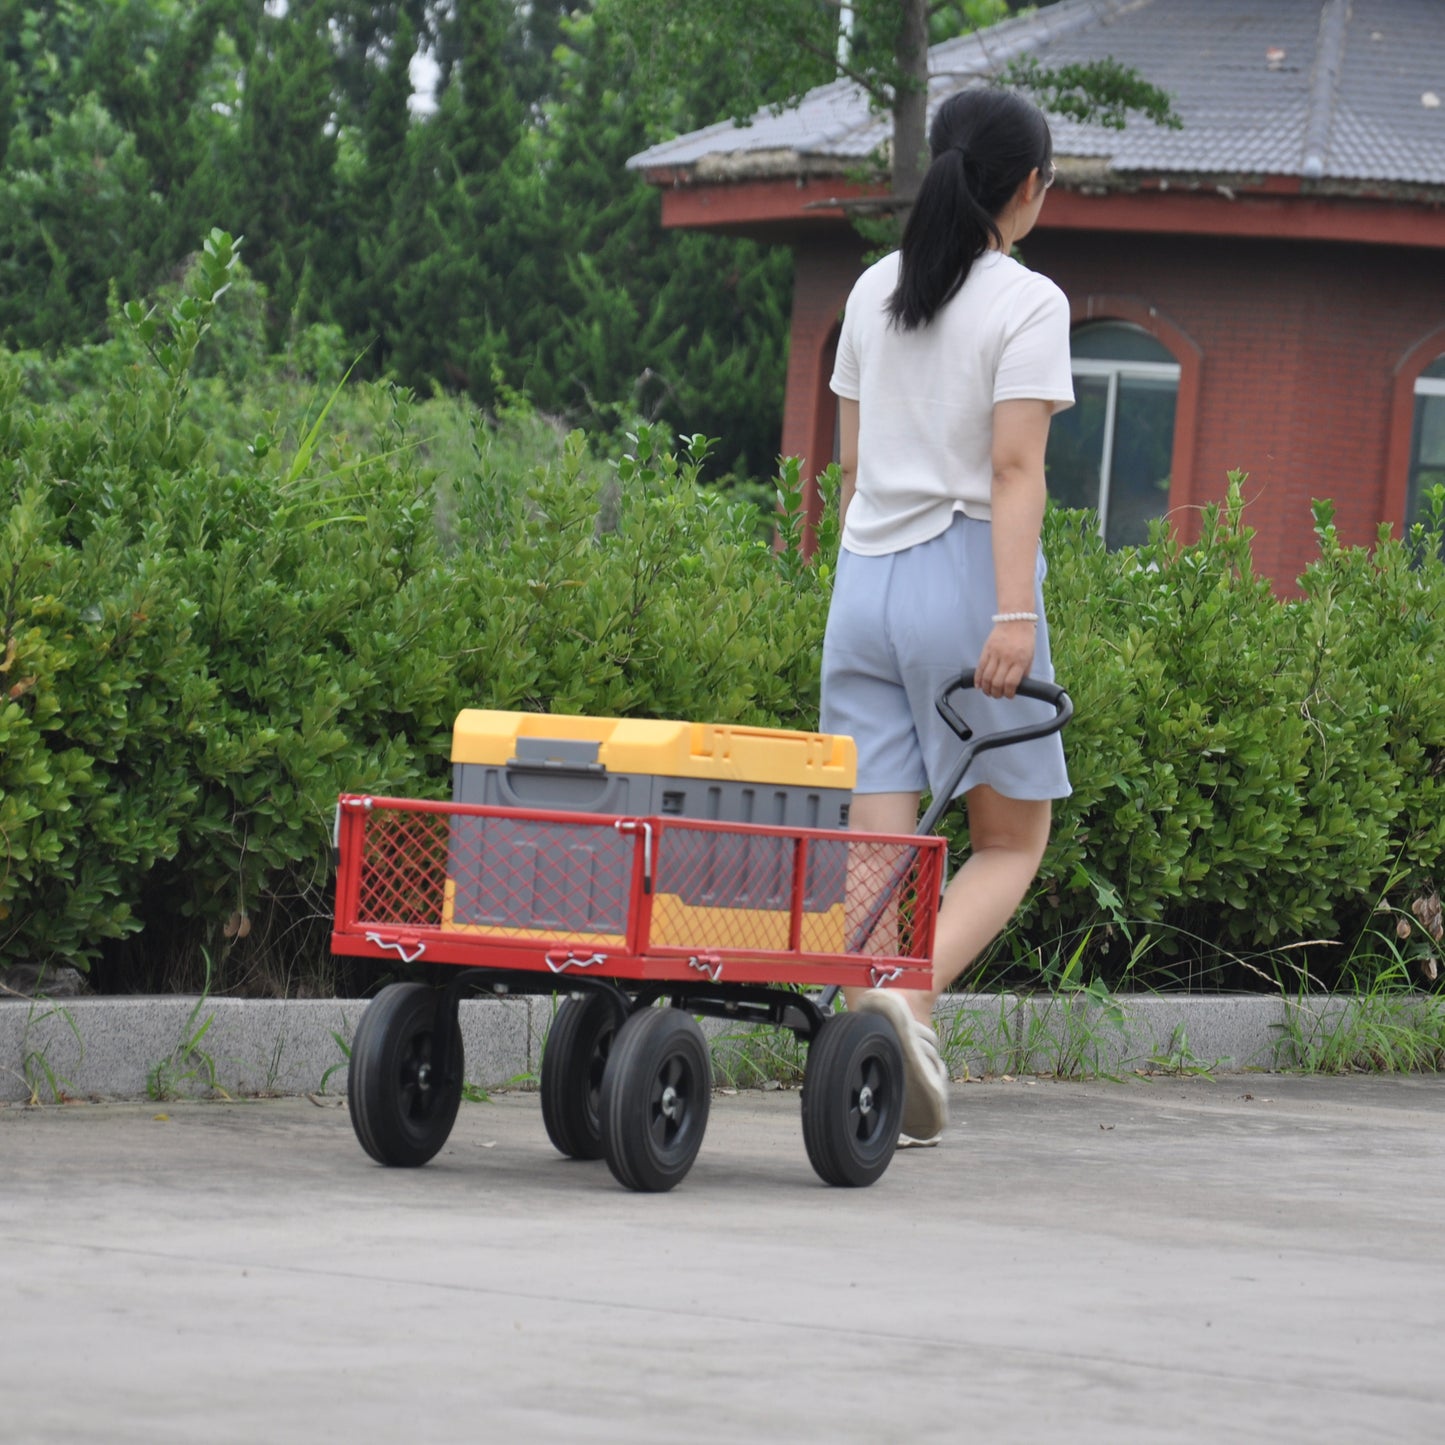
point(865, 1100)
point(671, 1104)
point(423, 1076)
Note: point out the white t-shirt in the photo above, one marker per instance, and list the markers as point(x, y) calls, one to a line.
point(925, 436)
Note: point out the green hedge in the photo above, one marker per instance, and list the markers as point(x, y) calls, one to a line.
point(204, 642)
point(1250, 772)
point(214, 621)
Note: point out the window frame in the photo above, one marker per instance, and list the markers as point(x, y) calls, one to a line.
point(1113, 370)
point(1410, 384)
point(1189, 357)
point(1431, 386)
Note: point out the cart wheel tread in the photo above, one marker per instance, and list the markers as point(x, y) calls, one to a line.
point(574, 1061)
point(401, 1111)
point(656, 1092)
point(853, 1099)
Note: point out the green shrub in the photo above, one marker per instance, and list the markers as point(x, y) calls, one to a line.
point(659, 601)
point(206, 656)
point(228, 597)
point(207, 641)
point(102, 681)
point(1250, 772)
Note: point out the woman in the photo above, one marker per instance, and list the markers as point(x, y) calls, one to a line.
point(952, 359)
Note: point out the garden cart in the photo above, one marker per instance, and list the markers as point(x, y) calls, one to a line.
point(625, 865)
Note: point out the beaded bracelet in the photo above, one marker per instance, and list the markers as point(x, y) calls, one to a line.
point(1016, 617)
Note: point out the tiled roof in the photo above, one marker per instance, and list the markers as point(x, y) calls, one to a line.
point(1345, 91)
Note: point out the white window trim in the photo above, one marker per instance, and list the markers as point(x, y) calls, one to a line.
point(1112, 371)
point(1425, 386)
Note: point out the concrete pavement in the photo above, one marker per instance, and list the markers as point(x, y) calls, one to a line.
point(1253, 1258)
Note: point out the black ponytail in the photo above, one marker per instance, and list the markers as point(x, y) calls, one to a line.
point(984, 142)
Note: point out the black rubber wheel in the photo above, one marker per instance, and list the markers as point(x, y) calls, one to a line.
point(579, 1044)
point(656, 1091)
point(401, 1111)
point(853, 1099)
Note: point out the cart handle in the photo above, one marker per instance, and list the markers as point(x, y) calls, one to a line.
point(1032, 687)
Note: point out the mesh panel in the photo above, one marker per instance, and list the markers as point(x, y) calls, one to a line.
point(507, 875)
point(726, 891)
point(893, 893)
point(562, 880)
point(403, 869)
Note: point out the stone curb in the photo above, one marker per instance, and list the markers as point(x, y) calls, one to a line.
point(126, 1048)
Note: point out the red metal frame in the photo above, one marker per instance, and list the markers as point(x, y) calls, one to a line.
point(641, 956)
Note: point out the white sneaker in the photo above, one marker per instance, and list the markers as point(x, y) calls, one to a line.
point(907, 1141)
point(925, 1076)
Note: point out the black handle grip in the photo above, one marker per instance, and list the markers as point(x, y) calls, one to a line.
point(1033, 687)
point(1030, 687)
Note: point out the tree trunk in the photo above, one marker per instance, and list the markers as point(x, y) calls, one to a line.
point(910, 101)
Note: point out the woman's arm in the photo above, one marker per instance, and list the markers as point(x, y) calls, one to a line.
point(847, 453)
point(1020, 435)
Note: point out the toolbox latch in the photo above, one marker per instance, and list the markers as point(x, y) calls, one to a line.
point(572, 755)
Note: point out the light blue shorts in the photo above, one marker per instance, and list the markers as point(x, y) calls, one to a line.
point(900, 626)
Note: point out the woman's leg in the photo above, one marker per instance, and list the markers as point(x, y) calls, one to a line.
point(1007, 838)
point(879, 813)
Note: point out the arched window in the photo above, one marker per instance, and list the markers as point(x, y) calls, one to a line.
point(1427, 437)
point(1111, 451)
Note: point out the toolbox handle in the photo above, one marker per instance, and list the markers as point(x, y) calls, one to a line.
point(603, 789)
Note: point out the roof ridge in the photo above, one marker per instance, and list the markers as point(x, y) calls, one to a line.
point(1324, 90)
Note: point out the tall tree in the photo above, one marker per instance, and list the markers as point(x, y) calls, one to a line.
point(382, 199)
point(78, 198)
point(149, 64)
point(537, 34)
point(365, 37)
point(495, 238)
point(45, 47)
point(9, 69)
point(629, 319)
point(166, 70)
point(282, 170)
point(76, 214)
point(453, 241)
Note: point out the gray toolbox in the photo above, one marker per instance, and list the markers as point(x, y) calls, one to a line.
point(533, 877)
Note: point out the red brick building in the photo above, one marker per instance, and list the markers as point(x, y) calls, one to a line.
point(1263, 289)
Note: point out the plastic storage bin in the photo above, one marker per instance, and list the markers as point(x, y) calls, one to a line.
point(527, 877)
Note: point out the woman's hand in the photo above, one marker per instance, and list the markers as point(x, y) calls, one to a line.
point(1006, 658)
